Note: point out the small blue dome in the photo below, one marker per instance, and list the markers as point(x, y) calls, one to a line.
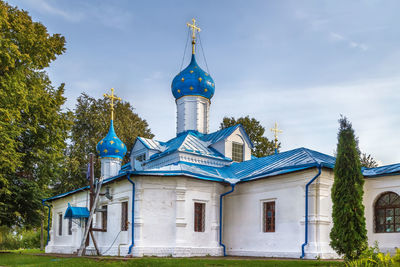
point(193, 81)
point(111, 146)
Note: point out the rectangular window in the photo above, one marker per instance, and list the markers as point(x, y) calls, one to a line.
point(199, 214)
point(70, 226)
point(60, 219)
point(141, 157)
point(269, 216)
point(124, 216)
point(104, 218)
point(237, 152)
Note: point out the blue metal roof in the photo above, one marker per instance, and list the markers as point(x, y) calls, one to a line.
point(281, 163)
point(151, 144)
point(393, 169)
point(76, 212)
point(191, 143)
point(289, 161)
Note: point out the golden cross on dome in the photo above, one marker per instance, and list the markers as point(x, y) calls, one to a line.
point(276, 131)
point(112, 98)
point(194, 28)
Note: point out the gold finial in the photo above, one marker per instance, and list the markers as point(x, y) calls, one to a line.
point(112, 98)
point(194, 28)
point(276, 131)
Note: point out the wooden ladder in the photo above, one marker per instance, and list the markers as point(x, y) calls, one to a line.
point(90, 219)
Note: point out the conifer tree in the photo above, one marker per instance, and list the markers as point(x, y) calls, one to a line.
point(348, 235)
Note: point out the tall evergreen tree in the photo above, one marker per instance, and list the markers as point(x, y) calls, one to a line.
point(91, 124)
point(262, 146)
point(33, 126)
point(348, 235)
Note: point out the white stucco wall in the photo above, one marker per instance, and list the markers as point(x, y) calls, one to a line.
point(243, 234)
point(192, 114)
point(121, 191)
point(163, 220)
point(373, 188)
point(110, 167)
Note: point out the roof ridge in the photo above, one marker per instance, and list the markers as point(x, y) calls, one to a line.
point(309, 153)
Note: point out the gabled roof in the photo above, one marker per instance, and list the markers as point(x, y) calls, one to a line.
point(222, 134)
point(192, 142)
point(151, 144)
point(281, 163)
point(189, 142)
point(284, 162)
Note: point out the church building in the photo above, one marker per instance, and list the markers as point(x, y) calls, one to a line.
point(203, 193)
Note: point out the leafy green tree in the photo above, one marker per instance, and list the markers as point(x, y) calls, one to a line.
point(348, 235)
point(33, 127)
point(367, 161)
point(262, 146)
point(91, 124)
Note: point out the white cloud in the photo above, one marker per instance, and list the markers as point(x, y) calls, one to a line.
point(44, 7)
point(309, 116)
point(353, 44)
point(336, 37)
point(105, 13)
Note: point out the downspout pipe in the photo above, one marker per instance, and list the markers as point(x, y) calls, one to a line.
point(220, 217)
point(133, 214)
point(306, 212)
point(48, 221)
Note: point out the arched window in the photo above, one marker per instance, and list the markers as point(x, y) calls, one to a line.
point(387, 213)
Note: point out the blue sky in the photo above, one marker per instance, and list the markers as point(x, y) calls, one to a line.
point(300, 63)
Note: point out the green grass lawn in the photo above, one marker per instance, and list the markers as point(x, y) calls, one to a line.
point(21, 258)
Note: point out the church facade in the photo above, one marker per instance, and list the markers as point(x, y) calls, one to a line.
point(203, 193)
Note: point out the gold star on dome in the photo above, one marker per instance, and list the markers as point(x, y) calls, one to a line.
point(200, 79)
point(179, 90)
point(105, 150)
point(191, 87)
point(116, 150)
point(115, 137)
point(206, 74)
point(122, 145)
point(112, 142)
point(183, 79)
point(101, 142)
point(191, 71)
point(195, 67)
point(205, 90)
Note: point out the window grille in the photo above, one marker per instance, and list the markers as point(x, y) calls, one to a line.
point(387, 213)
point(269, 216)
point(237, 152)
point(199, 214)
point(60, 219)
point(124, 216)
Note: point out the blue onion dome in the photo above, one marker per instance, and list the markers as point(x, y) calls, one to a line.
point(111, 146)
point(193, 81)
